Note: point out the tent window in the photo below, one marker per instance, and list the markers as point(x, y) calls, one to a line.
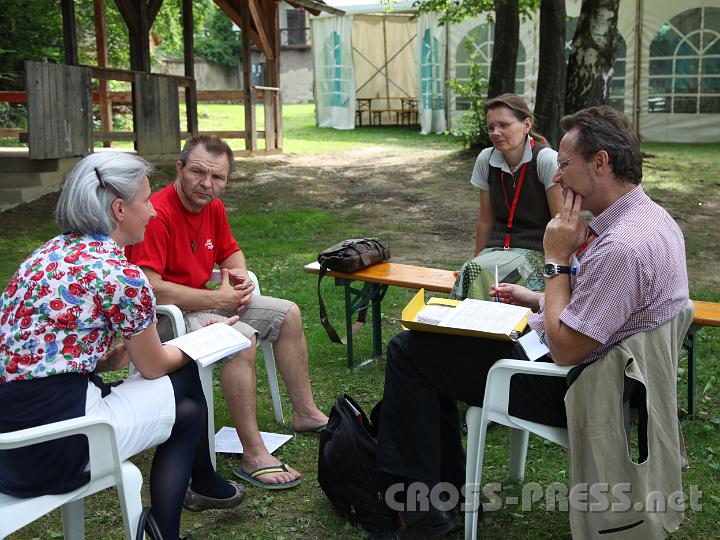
point(431, 81)
point(684, 64)
point(481, 40)
point(617, 85)
point(334, 75)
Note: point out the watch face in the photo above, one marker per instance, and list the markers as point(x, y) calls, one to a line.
point(550, 269)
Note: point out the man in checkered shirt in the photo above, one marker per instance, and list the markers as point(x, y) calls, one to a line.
point(623, 274)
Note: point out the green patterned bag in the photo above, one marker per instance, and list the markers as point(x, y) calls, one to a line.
point(516, 265)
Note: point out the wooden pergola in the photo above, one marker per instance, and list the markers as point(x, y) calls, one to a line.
point(56, 93)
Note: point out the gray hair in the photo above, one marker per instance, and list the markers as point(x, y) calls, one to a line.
point(85, 204)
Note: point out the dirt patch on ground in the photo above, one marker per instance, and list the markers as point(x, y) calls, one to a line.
point(419, 200)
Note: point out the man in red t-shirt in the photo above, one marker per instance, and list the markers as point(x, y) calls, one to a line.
point(191, 235)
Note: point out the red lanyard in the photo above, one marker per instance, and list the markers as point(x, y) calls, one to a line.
point(515, 198)
point(591, 236)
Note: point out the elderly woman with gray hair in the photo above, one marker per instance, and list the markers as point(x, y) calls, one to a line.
point(59, 317)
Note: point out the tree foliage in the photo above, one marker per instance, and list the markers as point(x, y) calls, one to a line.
point(471, 128)
point(455, 11)
point(29, 31)
point(217, 41)
point(33, 31)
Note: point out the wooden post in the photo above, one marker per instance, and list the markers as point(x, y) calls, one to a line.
point(101, 43)
point(248, 86)
point(272, 101)
point(69, 32)
point(135, 15)
point(385, 68)
point(188, 46)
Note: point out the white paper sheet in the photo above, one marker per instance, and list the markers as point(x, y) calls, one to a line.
point(533, 347)
point(433, 313)
point(485, 316)
point(228, 442)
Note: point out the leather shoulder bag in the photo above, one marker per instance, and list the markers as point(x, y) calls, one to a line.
point(347, 257)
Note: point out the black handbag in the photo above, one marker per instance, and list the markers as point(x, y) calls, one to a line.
point(148, 525)
point(347, 257)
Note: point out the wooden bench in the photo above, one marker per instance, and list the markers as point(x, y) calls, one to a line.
point(378, 277)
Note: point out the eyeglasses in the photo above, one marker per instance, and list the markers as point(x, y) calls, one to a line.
point(500, 126)
point(562, 164)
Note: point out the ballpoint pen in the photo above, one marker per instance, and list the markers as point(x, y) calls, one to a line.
point(497, 294)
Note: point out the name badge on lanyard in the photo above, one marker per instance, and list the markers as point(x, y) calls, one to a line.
point(574, 261)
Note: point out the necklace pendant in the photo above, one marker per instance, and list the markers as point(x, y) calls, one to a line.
point(193, 245)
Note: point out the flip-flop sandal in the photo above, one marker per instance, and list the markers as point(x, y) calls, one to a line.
point(252, 477)
point(314, 431)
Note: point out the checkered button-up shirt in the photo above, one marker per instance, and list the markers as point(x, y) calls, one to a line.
point(631, 279)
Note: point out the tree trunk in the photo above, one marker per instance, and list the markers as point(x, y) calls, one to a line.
point(594, 48)
point(550, 94)
point(505, 48)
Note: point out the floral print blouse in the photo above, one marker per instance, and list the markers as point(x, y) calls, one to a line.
point(66, 303)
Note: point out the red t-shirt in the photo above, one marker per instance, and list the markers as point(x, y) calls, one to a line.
point(167, 248)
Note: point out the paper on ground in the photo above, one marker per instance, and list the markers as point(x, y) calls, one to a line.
point(533, 347)
point(228, 442)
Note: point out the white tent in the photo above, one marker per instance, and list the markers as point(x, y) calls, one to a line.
point(666, 79)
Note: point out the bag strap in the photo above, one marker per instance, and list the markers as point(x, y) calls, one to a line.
point(147, 524)
point(332, 334)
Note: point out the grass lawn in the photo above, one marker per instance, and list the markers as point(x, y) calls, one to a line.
point(280, 232)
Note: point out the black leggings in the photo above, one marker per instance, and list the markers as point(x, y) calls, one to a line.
point(185, 455)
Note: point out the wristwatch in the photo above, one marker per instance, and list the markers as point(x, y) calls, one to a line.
point(553, 269)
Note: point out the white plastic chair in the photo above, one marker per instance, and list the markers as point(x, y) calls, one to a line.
point(106, 470)
point(206, 373)
point(495, 409)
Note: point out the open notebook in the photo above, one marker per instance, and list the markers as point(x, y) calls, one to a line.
point(468, 317)
point(211, 343)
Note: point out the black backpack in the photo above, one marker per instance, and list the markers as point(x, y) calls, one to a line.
point(346, 467)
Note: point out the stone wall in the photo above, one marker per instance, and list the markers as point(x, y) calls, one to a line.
point(296, 74)
point(209, 76)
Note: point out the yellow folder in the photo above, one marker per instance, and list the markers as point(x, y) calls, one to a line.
point(418, 302)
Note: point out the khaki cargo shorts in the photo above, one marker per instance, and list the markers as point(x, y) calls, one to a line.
point(263, 318)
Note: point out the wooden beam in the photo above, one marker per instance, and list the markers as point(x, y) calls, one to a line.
point(13, 97)
point(114, 74)
point(114, 136)
point(153, 7)
point(233, 14)
point(134, 12)
point(191, 98)
point(127, 10)
point(69, 32)
point(316, 7)
point(12, 132)
point(101, 44)
point(258, 18)
point(141, 40)
point(249, 102)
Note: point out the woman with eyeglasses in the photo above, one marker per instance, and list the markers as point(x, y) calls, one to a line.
point(60, 315)
point(517, 199)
